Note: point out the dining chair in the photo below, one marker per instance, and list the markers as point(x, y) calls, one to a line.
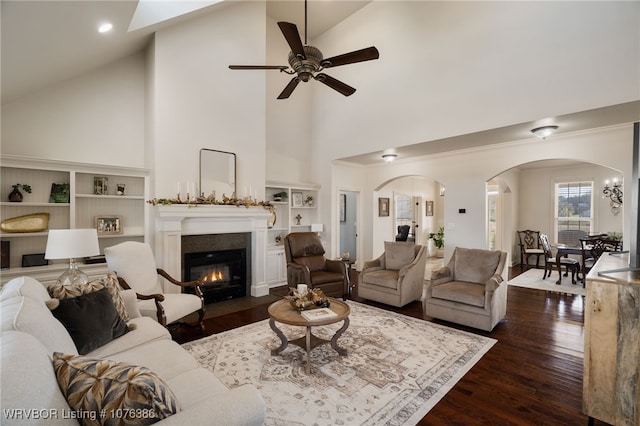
point(550, 261)
point(529, 246)
point(593, 247)
point(403, 232)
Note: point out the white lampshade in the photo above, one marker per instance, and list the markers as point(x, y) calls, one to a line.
point(71, 243)
point(317, 227)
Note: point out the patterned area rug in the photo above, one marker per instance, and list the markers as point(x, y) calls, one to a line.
point(533, 279)
point(396, 370)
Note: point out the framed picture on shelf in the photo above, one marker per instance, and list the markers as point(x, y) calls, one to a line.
point(100, 185)
point(383, 207)
point(59, 193)
point(296, 199)
point(343, 207)
point(429, 209)
point(109, 225)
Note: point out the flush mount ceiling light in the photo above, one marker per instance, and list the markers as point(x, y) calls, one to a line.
point(544, 131)
point(389, 157)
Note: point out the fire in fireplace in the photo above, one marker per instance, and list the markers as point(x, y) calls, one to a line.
point(224, 273)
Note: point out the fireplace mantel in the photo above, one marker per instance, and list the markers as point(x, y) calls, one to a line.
point(174, 221)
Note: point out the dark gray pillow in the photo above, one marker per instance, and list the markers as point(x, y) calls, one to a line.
point(91, 320)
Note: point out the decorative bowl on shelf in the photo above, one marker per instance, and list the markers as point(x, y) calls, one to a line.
point(311, 299)
point(35, 222)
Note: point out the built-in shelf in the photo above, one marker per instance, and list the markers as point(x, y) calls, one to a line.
point(31, 204)
point(82, 209)
point(286, 222)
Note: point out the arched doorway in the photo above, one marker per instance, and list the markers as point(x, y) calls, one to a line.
point(533, 194)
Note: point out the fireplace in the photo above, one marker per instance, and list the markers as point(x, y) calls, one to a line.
point(224, 273)
point(182, 229)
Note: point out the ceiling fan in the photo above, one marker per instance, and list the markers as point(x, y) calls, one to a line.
point(306, 62)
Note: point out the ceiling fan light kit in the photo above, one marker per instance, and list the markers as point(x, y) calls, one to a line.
point(306, 62)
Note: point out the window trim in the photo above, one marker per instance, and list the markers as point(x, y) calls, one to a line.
point(556, 218)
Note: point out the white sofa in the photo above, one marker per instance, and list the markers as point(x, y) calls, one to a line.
point(30, 393)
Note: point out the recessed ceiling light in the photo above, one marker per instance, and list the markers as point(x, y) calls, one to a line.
point(105, 28)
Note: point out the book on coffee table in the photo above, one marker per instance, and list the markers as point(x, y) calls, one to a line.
point(318, 314)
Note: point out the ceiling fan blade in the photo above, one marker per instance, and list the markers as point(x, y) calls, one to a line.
point(289, 89)
point(258, 67)
point(291, 34)
point(361, 55)
point(337, 85)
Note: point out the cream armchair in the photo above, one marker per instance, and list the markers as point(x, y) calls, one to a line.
point(135, 266)
point(396, 277)
point(470, 290)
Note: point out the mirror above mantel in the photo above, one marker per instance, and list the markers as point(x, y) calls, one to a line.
point(217, 173)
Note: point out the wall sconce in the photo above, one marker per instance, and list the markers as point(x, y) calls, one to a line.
point(544, 131)
point(614, 193)
point(388, 158)
point(441, 190)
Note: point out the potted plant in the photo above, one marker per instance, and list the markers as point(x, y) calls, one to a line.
point(438, 240)
point(309, 200)
point(616, 236)
point(279, 196)
point(15, 196)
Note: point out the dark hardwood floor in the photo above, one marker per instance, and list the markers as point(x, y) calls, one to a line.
point(531, 376)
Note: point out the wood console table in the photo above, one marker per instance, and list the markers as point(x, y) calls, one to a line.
point(612, 343)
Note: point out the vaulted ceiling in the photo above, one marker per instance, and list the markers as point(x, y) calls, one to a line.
point(46, 42)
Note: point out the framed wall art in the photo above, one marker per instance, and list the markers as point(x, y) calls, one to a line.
point(343, 207)
point(296, 199)
point(383, 207)
point(100, 185)
point(429, 209)
point(60, 193)
point(109, 225)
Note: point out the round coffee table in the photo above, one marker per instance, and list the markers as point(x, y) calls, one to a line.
point(282, 311)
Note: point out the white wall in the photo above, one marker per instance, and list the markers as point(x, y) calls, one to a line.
point(537, 197)
point(477, 65)
point(201, 103)
point(465, 174)
point(452, 68)
point(97, 118)
point(288, 121)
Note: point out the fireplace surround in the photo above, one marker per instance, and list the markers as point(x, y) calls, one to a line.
point(173, 222)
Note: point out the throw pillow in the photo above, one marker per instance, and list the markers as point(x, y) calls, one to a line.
point(113, 393)
point(91, 320)
point(110, 282)
point(398, 254)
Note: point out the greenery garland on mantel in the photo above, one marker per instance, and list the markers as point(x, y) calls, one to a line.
point(212, 201)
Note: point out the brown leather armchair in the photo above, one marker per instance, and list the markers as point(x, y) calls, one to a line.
point(306, 264)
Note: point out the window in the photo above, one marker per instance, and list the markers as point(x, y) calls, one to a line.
point(404, 208)
point(573, 209)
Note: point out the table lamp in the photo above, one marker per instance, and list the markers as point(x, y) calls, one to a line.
point(72, 244)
